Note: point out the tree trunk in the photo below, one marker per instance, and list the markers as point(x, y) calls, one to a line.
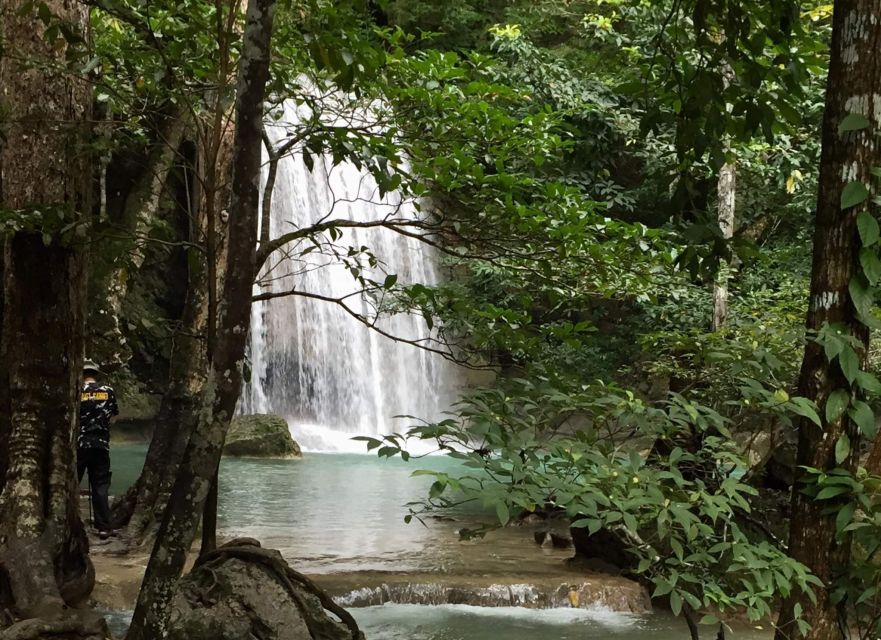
point(141, 509)
point(873, 460)
point(853, 86)
point(209, 517)
point(142, 206)
point(726, 205)
point(43, 546)
point(225, 377)
point(174, 423)
point(726, 208)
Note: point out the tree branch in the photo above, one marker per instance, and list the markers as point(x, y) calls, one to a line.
point(266, 249)
point(418, 343)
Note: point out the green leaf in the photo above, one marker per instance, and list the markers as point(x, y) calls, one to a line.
point(708, 619)
point(663, 587)
point(806, 408)
point(436, 489)
point(832, 345)
point(868, 593)
point(866, 225)
point(854, 193)
point(849, 362)
point(845, 515)
point(842, 448)
point(675, 603)
point(863, 416)
point(860, 295)
point(390, 281)
point(853, 122)
point(836, 403)
point(831, 492)
point(502, 512)
point(868, 382)
point(871, 265)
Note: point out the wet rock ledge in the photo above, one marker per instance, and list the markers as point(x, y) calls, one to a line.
point(585, 591)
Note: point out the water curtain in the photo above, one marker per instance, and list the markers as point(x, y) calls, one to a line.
point(329, 375)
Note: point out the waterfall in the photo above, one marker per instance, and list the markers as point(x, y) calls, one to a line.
point(328, 374)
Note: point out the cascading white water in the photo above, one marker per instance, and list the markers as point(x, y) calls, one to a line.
point(328, 374)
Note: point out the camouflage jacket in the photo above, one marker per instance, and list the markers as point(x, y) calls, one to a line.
point(97, 406)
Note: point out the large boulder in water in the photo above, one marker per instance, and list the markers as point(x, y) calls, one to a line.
point(242, 592)
point(261, 436)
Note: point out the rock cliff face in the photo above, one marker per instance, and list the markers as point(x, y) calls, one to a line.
point(261, 436)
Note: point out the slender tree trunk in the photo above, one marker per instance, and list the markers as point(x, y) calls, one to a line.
point(224, 37)
point(175, 421)
point(726, 192)
point(853, 86)
point(726, 208)
point(693, 630)
point(223, 387)
point(43, 547)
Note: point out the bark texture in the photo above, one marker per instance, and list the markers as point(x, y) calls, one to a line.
point(224, 382)
point(43, 164)
point(175, 421)
point(853, 86)
point(726, 209)
point(726, 205)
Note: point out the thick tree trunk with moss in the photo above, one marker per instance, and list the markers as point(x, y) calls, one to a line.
point(43, 546)
point(224, 382)
point(854, 86)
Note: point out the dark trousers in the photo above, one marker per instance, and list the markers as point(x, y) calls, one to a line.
point(97, 463)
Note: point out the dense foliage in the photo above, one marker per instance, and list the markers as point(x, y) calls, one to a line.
point(566, 162)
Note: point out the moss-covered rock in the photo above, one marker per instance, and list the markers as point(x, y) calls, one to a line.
point(243, 592)
point(261, 436)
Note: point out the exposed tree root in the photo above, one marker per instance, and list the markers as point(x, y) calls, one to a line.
point(249, 550)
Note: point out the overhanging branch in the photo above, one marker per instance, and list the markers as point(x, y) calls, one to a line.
point(371, 324)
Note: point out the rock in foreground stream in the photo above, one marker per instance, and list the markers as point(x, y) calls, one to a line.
point(241, 592)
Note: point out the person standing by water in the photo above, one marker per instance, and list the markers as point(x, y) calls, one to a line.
point(98, 409)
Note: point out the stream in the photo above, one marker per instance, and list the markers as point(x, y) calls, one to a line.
point(339, 517)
